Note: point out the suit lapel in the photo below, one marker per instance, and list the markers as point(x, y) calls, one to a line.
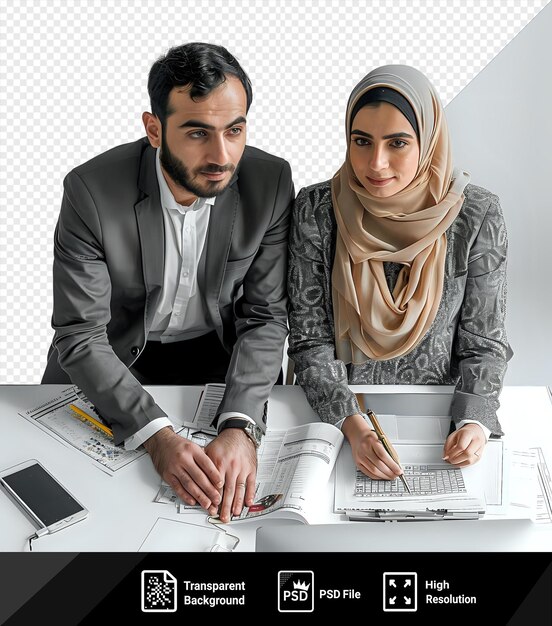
point(149, 216)
point(219, 238)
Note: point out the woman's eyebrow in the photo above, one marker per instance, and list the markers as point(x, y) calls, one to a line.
point(392, 136)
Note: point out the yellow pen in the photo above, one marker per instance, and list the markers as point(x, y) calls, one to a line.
point(382, 437)
point(91, 419)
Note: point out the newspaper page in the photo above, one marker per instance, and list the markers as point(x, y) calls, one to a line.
point(60, 421)
point(530, 486)
point(294, 468)
point(544, 494)
point(207, 408)
point(57, 419)
point(294, 465)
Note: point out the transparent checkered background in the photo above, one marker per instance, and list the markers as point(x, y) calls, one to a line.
point(73, 84)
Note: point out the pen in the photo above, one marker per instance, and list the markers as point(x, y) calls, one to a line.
point(383, 438)
point(91, 419)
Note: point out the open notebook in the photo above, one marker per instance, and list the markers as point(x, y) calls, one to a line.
point(439, 490)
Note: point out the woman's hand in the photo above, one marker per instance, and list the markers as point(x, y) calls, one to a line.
point(369, 454)
point(465, 446)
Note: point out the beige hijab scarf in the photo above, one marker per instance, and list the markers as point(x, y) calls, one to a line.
point(408, 228)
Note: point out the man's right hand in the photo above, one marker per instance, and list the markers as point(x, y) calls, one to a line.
point(184, 466)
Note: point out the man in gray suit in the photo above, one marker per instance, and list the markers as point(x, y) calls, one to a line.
point(169, 268)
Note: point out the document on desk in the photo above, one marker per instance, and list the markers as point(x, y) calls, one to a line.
point(294, 468)
point(544, 494)
point(208, 406)
point(200, 429)
point(294, 465)
point(523, 480)
point(58, 420)
point(438, 490)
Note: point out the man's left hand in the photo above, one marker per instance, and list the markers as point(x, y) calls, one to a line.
point(465, 446)
point(235, 456)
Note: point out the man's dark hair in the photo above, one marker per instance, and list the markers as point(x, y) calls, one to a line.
point(204, 66)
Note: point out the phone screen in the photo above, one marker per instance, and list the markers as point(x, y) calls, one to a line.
point(46, 498)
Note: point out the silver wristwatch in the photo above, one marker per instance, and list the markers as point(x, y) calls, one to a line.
point(252, 430)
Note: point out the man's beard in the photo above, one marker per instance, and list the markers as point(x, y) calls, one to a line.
point(180, 174)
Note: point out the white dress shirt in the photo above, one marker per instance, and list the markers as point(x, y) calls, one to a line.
point(180, 313)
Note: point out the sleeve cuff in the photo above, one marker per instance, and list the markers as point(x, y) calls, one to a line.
point(366, 419)
point(486, 431)
point(479, 409)
point(136, 440)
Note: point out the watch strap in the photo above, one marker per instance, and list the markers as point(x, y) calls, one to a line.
point(251, 429)
point(234, 422)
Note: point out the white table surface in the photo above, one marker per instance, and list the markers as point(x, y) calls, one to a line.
point(122, 510)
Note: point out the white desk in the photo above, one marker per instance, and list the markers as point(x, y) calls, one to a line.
point(121, 507)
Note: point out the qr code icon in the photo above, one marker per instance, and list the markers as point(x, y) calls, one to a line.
point(158, 591)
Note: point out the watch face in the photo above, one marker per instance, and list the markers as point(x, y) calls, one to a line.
point(255, 432)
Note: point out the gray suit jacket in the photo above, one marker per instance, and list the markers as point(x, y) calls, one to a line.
point(466, 345)
point(108, 275)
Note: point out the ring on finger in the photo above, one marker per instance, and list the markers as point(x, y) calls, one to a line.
point(240, 485)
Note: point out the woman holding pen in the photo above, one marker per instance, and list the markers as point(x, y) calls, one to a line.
point(397, 273)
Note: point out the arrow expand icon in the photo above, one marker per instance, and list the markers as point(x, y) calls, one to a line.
point(400, 591)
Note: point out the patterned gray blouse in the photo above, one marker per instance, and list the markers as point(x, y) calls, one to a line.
point(466, 345)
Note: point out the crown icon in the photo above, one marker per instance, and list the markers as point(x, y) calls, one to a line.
point(301, 585)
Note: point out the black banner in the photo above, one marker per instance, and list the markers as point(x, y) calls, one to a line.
point(90, 588)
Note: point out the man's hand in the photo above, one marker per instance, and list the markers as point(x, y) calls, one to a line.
point(370, 456)
point(186, 468)
point(235, 457)
point(465, 446)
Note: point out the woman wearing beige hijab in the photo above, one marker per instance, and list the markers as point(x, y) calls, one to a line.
point(398, 272)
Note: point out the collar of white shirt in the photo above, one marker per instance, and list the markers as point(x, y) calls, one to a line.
point(167, 198)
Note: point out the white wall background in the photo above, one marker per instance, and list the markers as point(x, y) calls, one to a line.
point(502, 129)
point(73, 83)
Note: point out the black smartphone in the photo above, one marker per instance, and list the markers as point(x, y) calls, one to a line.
point(41, 496)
